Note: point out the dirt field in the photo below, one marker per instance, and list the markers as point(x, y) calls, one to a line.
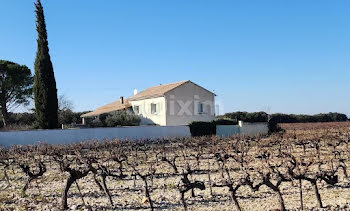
point(259, 173)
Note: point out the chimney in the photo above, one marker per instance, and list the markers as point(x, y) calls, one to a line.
point(122, 100)
point(135, 91)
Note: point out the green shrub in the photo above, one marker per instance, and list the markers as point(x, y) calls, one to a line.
point(67, 116)
point(20, 121)
point(122, 118)
point(202, 128)
point(273, 126)
point(27, 120)
point(96, 123)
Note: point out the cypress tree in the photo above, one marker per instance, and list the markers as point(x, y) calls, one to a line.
point(45, 91)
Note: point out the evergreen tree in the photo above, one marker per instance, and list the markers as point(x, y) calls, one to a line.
point(16, 87)
point(45, 92)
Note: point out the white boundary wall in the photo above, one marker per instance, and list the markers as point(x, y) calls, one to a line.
point(250, 129)
point(96, 134)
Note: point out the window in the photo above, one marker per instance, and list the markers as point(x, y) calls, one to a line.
point(136, 109)
point(154, 108)
point(200, 108)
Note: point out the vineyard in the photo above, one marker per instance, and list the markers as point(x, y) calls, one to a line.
point(304, 168)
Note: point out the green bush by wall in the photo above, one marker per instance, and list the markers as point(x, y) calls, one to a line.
point(202, 128)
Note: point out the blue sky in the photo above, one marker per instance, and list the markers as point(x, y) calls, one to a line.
point(278, 56)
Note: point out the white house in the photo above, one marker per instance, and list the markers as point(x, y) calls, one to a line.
point(178, 103)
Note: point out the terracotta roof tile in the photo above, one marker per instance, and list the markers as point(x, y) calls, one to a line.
point(115, 106)
point(156, 91)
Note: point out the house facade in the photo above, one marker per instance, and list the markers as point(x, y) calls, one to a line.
point(178, 103)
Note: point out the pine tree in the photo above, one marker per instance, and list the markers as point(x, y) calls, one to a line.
point(45, 91)
point(16, 87)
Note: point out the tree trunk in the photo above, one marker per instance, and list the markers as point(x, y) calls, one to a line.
point(98, 183)
point(7, 178)
point(280, 200)
point(81, 195)
point(106, 190)
point(26, 185)
point(148, 195)
point(317, 193)
point(183, 200)
point(69, 183)
point(209, 180)
point(4, 114)
point(301, 195)
point(276, 190)
point(234, 198)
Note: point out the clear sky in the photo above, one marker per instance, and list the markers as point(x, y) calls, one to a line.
point(290, 56)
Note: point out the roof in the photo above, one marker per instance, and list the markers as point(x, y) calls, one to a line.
point(152, 92)
point(115, 106)
point(157, 91)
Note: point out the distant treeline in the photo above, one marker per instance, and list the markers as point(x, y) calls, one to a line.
point(245, 116)
point(284, 118)
point(295, 118)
